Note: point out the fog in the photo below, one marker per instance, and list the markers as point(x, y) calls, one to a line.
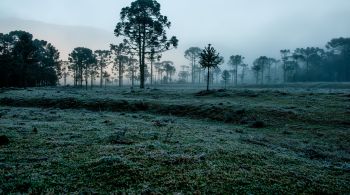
point(250, 28)
point(248, 97)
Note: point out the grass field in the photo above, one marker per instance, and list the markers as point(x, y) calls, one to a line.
point(252, 141)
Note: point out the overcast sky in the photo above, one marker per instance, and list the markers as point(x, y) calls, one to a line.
point(248, 27)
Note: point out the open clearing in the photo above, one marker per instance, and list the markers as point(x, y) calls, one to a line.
point(283, 141)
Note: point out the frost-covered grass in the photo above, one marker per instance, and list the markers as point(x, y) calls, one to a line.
point(303, 148)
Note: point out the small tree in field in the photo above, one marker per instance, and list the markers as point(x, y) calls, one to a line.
point(209, 58)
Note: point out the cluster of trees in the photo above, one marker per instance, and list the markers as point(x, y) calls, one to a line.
point(197, 74)
point(315, 64)
point(310, 64)
point(144, 31)
point(85, 64)
point(27, 62)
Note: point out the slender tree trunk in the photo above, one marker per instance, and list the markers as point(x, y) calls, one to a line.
point(284, 73)
point(242, 78)
point(75, 77)
point(307, 70)
point(208, 79)
point(132, 78)
point(275, 74)
point(142, 65)
point(101, 76)
point(262, 75)
point(236, 75)
point(92, 81)
point(81, 77)
point(199, 76)
point(233, 75)
point(151, 71)
point(269, 74)
point(86, 81)
point(193, 65)
point(120, 74)
point(167, 77)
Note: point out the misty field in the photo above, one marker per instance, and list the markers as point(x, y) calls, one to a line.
point(281, 140)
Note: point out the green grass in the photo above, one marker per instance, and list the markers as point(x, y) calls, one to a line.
point(303, 149)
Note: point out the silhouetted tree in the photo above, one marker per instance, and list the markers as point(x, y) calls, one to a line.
point(120, 59)
point(226, 77)
point(106, 77)
point(217, 72)
point(256, 69)
point(27, 62)
point(244, 68)
point(82, 59)
point(144, 28)
point(261, 62)
point(270, 62)
point(64, 71)
point(193, 54)
point(339, 58)
point(152, 57)
point(236, 61)
point(132, 70)
point(285, 54)
point(312, 56)
point(103, 58)
point(160, 70)
point(184, 74)
point(209, 58)
point(169, 69)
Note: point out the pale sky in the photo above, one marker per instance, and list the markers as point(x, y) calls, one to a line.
point(248, 27)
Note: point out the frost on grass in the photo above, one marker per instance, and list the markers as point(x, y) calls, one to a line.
point(163, 141)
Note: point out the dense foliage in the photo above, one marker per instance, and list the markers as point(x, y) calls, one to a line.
point(315, 64)
point(27, 62)
point(144, 29)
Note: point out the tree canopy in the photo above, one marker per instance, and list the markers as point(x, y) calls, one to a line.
point(209, 58)
point(82, 60)
point(27, 62)
point(235, 61)
point(144, 29)
point(192, 54)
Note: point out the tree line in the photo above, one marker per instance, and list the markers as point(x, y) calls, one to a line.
point(85, 64)
point(26, 62)
point(311, 64)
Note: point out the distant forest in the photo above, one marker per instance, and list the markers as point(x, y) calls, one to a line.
point(28, 62)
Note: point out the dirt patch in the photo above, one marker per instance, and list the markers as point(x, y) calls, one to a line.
point(4, 140)
point(258, 125)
